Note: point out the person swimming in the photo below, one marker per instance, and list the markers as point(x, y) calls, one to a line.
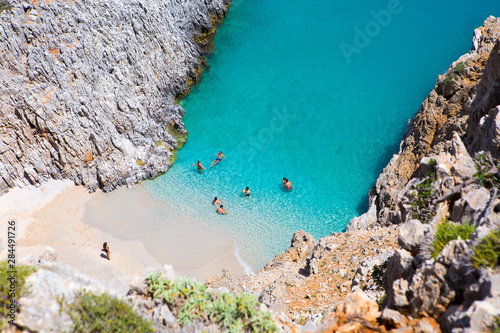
point(221, 210)
point(220, 157)
point(199, 166)
point(246, 192)
point(287, 184)
point(216, 201)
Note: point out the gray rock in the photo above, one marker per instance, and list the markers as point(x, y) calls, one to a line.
point(470, 206)
point(393, 318)
point(397, 296)
point(431, 293)
point(99, 107)
point(40, 310)
point(411, 235)
point(302, 245)
point(400, 266)
point(364, 221)
point(455, 251)
point(480, 314)
point(48, 254)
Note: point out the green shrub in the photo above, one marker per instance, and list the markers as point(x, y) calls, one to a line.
point(487, 171)
point(448, 231)
point(458, 70)
point(378, 274)
point(105, 313)
point(6, 295)
point(4, 5)
point(496, 324)
point(189, 301)
point(381, 302)
point(422, 208)
point(487, 252)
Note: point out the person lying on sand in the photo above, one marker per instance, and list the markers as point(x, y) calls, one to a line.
point(220, 157)
point(221, 210)
point(105, 248)
point(199, 166)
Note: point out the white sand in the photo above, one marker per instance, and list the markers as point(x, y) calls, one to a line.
point(76, 223)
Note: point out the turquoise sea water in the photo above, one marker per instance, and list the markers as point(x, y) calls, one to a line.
point(295, 90)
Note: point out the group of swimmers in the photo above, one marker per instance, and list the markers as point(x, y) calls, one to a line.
point(220, 157)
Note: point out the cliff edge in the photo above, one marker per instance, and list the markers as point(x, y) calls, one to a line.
point(88, 87)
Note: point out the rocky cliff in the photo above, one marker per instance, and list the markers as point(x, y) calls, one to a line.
point(458, 105)
point(88, 87)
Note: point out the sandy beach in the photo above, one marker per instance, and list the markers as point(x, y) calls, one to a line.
point(76, 223)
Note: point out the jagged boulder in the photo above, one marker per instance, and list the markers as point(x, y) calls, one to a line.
point(479, 316)
point(400, 266)
point(455, 251)
point(470, 206)
point(398, 294)
point(411, 235)
point(302, 245)
point(431, 293)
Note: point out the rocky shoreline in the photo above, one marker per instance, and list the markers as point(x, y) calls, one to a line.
point(390, 271)
point(89, 88)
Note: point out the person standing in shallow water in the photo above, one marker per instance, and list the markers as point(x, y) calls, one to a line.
point(246, 192)
point(287, 184)
point(220, 157)
point(216, 201)
point(199, 166)
point(221, 210)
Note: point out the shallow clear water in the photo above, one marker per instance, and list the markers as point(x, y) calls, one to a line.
point(294, 91)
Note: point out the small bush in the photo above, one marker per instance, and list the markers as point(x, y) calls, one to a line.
point(458, 70)
point(105, 313)
point(422, 208)
point(381, 302)
point(496, 324)
point(487, 252)
point(190, 301)
point(5, 5)
point(448, 231)
point(6, 295)
point(378, 274)
point(487, 171)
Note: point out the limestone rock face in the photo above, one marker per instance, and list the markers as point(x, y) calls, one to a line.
point(88, 87)
point(431, 292)
point(458, 105)
point(40, 310)
point(470, 206)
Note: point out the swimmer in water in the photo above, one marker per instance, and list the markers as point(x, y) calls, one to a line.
point(221, 210)
point(199, 166)
point(220, 157)
point(246, 192)
point(216, 201)
point(287, 184)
